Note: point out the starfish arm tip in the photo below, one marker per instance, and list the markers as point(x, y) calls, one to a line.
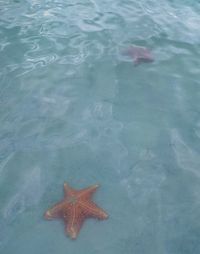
point(104, 216)
point(73, 236)
point(65, 184)
point(47, 215)
point(67, 188)
point(71, 233)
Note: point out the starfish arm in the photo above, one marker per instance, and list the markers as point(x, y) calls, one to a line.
point(68, 191)
point(87, 192)
point(90, 209)
point(54, 212)
point(74, 223)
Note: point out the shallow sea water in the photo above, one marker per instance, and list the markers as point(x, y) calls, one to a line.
point(73, 109)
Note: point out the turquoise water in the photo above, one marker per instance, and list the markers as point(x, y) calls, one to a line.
point(73, 109)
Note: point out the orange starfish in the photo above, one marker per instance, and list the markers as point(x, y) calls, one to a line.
point(75, 208)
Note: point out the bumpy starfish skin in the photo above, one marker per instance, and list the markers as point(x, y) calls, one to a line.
point(75, 208)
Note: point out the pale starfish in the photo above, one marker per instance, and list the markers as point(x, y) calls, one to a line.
point(139, 54)
point(75, 208)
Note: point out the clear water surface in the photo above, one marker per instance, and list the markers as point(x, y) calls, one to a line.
point(72, 108)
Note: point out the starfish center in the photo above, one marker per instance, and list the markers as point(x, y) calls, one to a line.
point(72, 200)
